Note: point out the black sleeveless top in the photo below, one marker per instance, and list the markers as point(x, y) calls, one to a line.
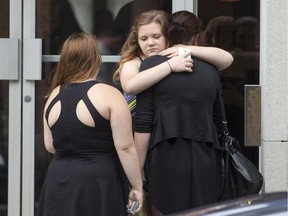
point(69, 133)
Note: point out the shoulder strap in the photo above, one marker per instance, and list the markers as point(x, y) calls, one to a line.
point(55, 99)
point(222, 109)
point(93, 111)
point(224, 120)
point(140, 58)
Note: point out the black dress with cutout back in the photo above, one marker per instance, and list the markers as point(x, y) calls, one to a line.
point(85, 176)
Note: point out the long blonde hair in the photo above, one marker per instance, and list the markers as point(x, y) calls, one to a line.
point(131, 48)
point(79, 60)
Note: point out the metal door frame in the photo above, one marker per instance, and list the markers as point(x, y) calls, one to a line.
point(15, 112)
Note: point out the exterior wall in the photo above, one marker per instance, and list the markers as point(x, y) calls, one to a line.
point(273, 81)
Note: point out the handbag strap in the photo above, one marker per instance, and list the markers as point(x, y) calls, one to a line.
point(225, 130)
point(224, 136)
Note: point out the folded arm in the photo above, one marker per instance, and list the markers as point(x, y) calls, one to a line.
point(213, 55)
point(134, 82)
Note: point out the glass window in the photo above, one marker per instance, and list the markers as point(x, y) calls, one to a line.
point(4, 94)
point(234, 26)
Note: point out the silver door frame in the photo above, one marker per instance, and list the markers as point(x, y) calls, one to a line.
point(15, 115)
point(32, 51)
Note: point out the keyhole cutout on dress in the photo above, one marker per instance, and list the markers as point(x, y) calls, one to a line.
point(54, 114)
point(84, 115)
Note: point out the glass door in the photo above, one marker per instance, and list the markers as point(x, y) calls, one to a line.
point(31, 35)
point(234, 26)
point(10, 107)
point(4, 92)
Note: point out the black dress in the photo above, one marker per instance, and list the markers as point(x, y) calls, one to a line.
point(85, 176)
point(183, 161)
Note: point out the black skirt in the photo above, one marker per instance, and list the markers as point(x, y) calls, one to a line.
point(85, 184)
point(182, 174)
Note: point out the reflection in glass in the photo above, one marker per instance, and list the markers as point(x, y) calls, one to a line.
point(3, 146)
point(4, 95)
point(106, 72)
point(128, 12)
point(55, 21)
point(42, 157)
point(4, 19)
point(237, 32)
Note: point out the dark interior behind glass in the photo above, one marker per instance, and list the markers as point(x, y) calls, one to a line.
point(234, 26)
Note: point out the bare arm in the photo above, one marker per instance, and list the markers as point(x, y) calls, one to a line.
point(142, 143)
point(216, 56)
point(134, 82)
point(120, 120)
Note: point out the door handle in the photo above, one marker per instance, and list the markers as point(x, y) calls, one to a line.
point(9, 58)
point(32, 59)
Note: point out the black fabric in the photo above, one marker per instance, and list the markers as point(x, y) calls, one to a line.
point(182, 174)
point(181, 105)
point(85, 174)
point(183, 166)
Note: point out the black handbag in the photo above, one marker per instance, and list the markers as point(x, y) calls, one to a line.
point(240, 177)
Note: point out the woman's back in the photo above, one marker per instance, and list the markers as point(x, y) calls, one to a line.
point(85, 169)
point(182, 102)
point(79, 125)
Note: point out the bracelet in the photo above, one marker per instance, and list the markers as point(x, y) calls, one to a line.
point(169, 65)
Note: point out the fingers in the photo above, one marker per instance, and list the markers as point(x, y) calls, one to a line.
point(188, 69)
point(172, 55)
point(170, 52)
point(181, 64)
point(188, 65)
point(135, 196)
point(136, 206)
point(139, 208)
point(187, 55)
point(165, 52)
